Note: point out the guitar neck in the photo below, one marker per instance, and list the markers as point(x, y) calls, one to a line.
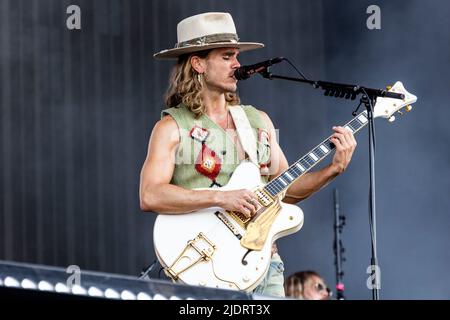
point(308, 161)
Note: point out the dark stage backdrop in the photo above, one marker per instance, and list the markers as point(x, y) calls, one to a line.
point(77, 108)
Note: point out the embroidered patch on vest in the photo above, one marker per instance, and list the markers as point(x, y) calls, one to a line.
point(264, 169)
point(199, 134)
point(264, 139)
point(208, 164)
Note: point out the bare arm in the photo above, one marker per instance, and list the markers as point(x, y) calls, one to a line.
point(159, 195)
point(311, 182)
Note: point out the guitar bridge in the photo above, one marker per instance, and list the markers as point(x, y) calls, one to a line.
point(239, 218)
point(198, 249)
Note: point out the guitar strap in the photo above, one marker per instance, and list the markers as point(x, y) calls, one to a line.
point(245, 132)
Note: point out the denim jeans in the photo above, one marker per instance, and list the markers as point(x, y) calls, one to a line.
point(273, 282)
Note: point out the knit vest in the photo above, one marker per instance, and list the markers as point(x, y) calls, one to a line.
point(206, 155)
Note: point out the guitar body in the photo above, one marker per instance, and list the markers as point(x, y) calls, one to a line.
point(204, 247)
point(214, 248)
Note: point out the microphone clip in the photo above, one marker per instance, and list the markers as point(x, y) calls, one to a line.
point(266, 74)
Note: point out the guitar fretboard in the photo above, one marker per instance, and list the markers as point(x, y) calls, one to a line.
point(313, 157)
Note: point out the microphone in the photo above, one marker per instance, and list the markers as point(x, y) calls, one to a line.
point(245, 72)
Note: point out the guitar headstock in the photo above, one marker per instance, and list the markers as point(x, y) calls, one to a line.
point(386, 107)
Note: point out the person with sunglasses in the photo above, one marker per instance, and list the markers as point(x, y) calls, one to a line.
point(307, 285)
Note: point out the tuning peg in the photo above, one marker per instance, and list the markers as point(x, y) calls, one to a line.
point(399, 112)
point(391, 119)
point(388, 87)
point(408, 108)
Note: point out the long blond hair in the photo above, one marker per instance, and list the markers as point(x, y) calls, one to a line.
point(185, 86)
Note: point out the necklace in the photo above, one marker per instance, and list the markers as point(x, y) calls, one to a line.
point(226, 122)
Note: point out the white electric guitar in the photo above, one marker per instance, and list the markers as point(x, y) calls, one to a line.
point(221, 249)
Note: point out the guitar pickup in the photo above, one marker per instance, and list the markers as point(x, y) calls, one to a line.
point(264, 199)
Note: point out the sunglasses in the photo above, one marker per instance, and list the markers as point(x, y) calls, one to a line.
point(321, 287)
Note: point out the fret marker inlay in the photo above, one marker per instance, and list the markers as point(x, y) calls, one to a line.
point(324, 149)
point(313, 156)
point(362, 118)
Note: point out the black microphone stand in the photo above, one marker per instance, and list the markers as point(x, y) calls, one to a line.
point(369, 102)
point(338, 248)
point(369, 96)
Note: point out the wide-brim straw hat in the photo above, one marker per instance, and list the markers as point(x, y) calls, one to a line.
point(206, 31)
